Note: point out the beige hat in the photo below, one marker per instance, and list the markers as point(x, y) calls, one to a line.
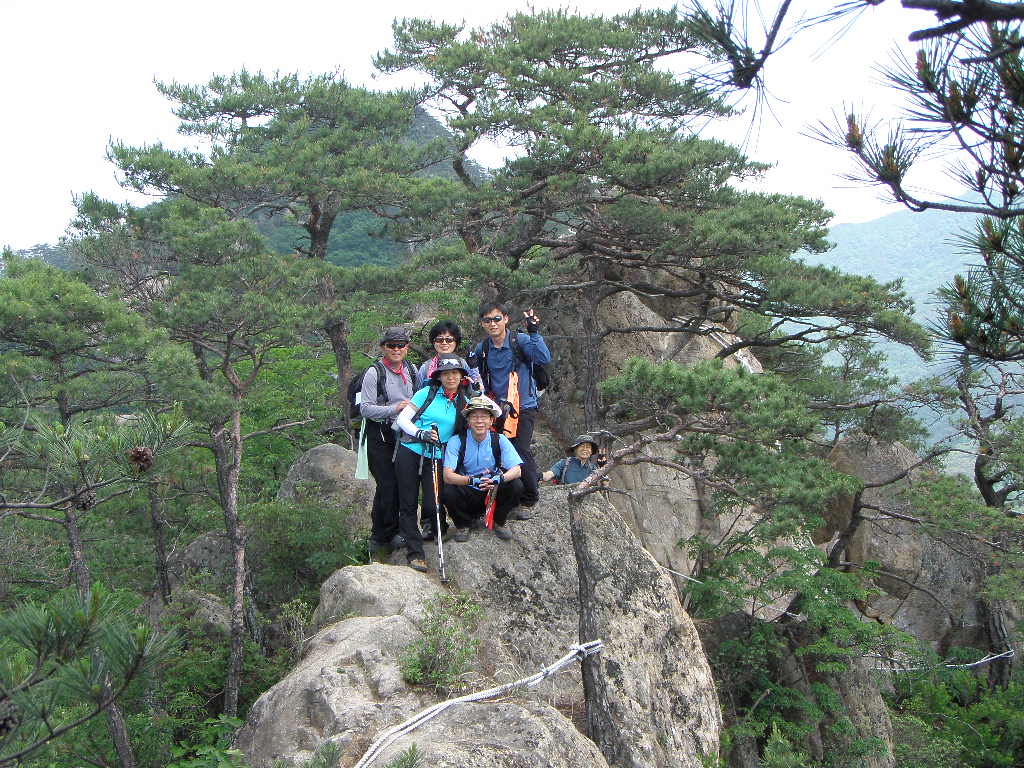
point(482, 403)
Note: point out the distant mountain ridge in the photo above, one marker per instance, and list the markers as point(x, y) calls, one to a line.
point(923, 249)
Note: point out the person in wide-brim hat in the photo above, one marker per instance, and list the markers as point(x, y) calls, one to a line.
point(577, 466)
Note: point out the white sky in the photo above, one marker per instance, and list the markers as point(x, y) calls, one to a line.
point(76, 74)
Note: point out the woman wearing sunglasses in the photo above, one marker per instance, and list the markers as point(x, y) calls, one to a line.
point(445, 338)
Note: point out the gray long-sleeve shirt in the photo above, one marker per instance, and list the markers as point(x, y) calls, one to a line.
point(396, 389)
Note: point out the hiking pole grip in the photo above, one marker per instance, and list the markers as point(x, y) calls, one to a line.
point(438, 533)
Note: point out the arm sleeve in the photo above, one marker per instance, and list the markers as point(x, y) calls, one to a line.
point(556, 468)
point(534, 348)
point(368, 407)
point(451, 453)
point(404, 419)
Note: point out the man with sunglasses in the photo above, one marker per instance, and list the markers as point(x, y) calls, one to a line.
point(400, 382)
point(499, 362)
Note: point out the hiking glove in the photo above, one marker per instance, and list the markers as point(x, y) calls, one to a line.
point(496, 478)
point(532, 324)
point(427, 437)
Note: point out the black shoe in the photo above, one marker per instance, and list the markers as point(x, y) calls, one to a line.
point(379, 552)
point(503, 533)
point(521, 513)
point(462, 534)
point(397, 542)
point(429, 534)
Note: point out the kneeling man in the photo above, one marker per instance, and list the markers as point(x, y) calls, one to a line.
point(475, 462)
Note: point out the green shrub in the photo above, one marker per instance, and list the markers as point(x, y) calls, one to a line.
point(294, 547)
point(444, 656)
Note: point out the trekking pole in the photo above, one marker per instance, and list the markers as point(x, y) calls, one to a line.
point(489, 505)
point(435, 463)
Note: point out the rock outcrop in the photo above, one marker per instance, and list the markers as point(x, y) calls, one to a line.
point(927, 587)
point(651, 700)
point(347, 685)
point(327, 474)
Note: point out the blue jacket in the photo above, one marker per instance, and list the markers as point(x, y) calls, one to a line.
point(499, 365)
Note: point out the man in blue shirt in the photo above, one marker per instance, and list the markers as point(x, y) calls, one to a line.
point(475, 462)
point(498, 362)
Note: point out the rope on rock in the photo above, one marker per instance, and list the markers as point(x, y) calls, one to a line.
point(576, 652)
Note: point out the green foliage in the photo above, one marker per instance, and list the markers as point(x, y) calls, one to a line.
point(295, 546)
point(950, 716)
point(64, 662)
point(780, 753)
point(411, 758)
point(445, 655)
point(190, 685)
point(211, 746)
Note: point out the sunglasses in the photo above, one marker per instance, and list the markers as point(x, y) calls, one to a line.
point(444, 340)
point(492, 320)
point(396, 345)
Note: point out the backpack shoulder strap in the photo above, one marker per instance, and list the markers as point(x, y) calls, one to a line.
point(565, 471)
point(460, 467)
point(382, 378)
point(496, 450)
point(431, 394)
point(414, 375)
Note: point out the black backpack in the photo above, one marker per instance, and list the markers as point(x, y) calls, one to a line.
point(460, 468)
point(538, 371)
point(356, 385)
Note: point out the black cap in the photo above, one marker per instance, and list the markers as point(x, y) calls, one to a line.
point(580, 441)
point(396, 335)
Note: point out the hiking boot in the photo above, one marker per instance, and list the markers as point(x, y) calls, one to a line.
point(503, 533)
point(397, 542)
point(521, 513)
point(418, 564)
point(429, 534)
point(462, 534)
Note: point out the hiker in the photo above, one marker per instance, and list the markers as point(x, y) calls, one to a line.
point(476, 460)
point(437, 405)
point(445, 337)
point(506, 356)
point(400, 382)
point(576, 466)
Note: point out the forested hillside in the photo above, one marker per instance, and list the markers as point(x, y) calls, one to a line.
point(171, 373)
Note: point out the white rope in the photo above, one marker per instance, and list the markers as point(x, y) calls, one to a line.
point(899, 667)
point(386, 739)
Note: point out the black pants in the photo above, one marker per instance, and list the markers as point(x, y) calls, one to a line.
point(521, 442)
point(380, 447)
point(411, 484)
point(466, 504)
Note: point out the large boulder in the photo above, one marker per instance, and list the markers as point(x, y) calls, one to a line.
point(506, 734)
point(346, 687)
point(374, 590)
point(528, 589)
point(651, 700)
point(327, 474)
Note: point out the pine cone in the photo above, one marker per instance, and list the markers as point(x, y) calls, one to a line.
point(85, 500)
point(141, 457)
point(9, 718)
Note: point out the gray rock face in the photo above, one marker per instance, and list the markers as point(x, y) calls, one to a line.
point(207, 557)
point(509, 734)
point(374, 590)
point(651, 700)
point(529, 592)
point(327, 474)
point(944, 611)
point(346, 687)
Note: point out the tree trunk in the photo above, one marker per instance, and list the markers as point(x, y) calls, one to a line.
point(116, 726)
point(228, 456)
point(158, 524)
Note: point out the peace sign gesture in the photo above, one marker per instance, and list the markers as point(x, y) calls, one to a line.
point(532, 320)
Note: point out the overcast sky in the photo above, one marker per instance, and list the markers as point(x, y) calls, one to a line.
point(76, 74)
